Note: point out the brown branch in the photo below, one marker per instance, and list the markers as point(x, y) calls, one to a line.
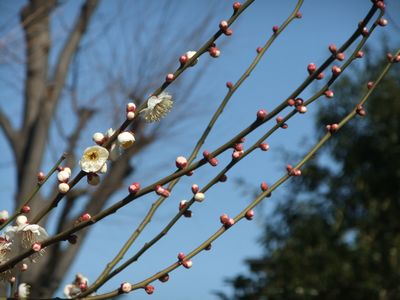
point(10, 133)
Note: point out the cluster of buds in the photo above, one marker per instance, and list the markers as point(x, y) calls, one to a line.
point(332, 128)
point(226, 221)
point(130, 111)
point(298, 103)
point(187, 263)
point(361, 111)
point(63, 176)
point(311, 68)
point(211, 160)
point(224, 26)
point(237, 151)
point(279, 121)
point(162, 191)
point(214, 51)
point(293, 171)
point(80, 284)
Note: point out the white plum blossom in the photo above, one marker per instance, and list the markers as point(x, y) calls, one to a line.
point(93, 159)
point(25, 234)
point(157, 107)
point(5, 255)
point(23, 291)
point(125, 139)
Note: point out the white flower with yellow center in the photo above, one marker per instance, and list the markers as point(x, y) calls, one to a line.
point(93, 159)
point(157, 107)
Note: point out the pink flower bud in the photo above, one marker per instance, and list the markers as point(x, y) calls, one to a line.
point(291, 102)
point(264, 186)
point(311, 68)
point(261, 114)
point(170, 77)
point(213, 161)
point(299, 15)
point(397, 58)
point(41, 176)
point(340, 56)
point(249, 214)
point(85, 217)
point(187, 263)
point(389, 56)
point(195, 188)
point(275, 28)
point(329, 93)
point(214, 52)
point(336, 70)
point(382, 22)
point(279, 119)
point(134, 188)
point(320, 76)
point(183, 59)
point(181, 162)
point(289, 168)
point(332, 48)
point(229, 223)
point(149, 289)
point(183, 204)
point(259, 49)
point(125, 287)
point(228, 32)
point(131, 107)
point(380, 5)
point(365, 31)
point(360, 54)
point(236, 6)
point(181, 256)
point(264, 146)
point(237, 154)
point(206, 154)
point(36, 247)
point(229, 85)
point(302, 109)
point(223, 25)
point(224, 218)
point(238, 147)
point(370, 84)
point(25, 209)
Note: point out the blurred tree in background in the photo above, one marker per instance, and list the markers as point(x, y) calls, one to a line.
point(342, 240)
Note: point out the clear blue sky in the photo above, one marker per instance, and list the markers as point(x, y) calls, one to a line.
point(279, 73)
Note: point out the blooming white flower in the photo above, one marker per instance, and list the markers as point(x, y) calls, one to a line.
point(23, 291)
point(25, 234)
point(126, 139)
point(157, 107)
point(93, 159)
